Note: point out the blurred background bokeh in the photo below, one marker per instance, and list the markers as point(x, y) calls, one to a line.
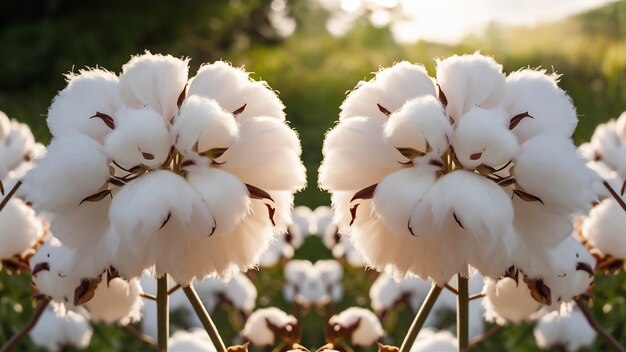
point(313, 52)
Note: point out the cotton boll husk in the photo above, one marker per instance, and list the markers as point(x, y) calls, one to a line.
point(87, 93)
point(77, 161)
point(431, 340)
point(58, 329)
point(604, 228)
point(15, 148)
point(538, 93)
point(155, 81)
point(548, 158)
point(233, 88)
point(398, 194)
point(569, 329)
point(507, 301)
point(369, 329)
point(21, 228)
point(266, 155)
point(138, 132)
point(195, 340)
point(356, 155)
point(256, 330)
point(117, 300)
point(203, 121)
point(484, 132)
point(418, 123)
point(470, 80)
point(391, 88)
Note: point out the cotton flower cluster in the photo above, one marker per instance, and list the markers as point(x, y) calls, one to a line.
point(150, 169)
point(568, 330)
point(386, 292)
point(266, 326)
point(311, 284)
point(358, 325)
point(472, 168)
point(285, 245)
point(60, 330)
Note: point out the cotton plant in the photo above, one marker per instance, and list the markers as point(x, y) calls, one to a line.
point(285, 245)
point(567, 330)
point(357, 326)
point(470, 169)
point(59, 329)
point(268, 326)
point(386, 293)
point(313, 285)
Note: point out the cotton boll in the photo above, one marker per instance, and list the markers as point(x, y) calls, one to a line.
point(195, 340)
point(482, 137)
point(391, 88)
point(604, 228)
point(384, 293)
point(155, 81)
point(432, 340)
point(78, 161)
point(5, 125)
point(58, 329)
point(21, 228)
point(303, 220)
point(538, 94)
point(620, 126)
point(204, 124)
point(15, 148)
point(266, 155)
point(140, 138)
point(368, 331)
point(570, 330)
point(233, 89)
point(507, 301)
point(277, 250)
point(241, 293)
point(256, 329)
point(321, 220)
point(397, 196)
point(586, 151)
point(330, 270)
point(83, 226)
point(609, 148)
point(87, 93)
point(470, 80)
point(116, 300)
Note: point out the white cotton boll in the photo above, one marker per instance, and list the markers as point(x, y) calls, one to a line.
point(367, 332)
point(53, 271)
point(608, 146)
point(74, 168)
point(21, 228)
point(604, 228)
point(620, 126)
point(345, 250)
point(241, 293)
point(233, 88)
point(470, 80)
point(15, 148)
point(312, 290)
point(139, 138)
point(568, 329)
point(277, 250)
point(266, 155)
point(507, 301)
point(87, 93)
point(296, 270)
point(330, 270)
point(586, 151)
point(256, 330)
point(538, 94)
point(398, 194)
point(356, 155)
point(5, 125)
point(384, 293)
point(419, 123)
point(431, 340)
point(58, 330)
point(116, 301)
point(482, 137)
point(321, 220)
point(303, 221)
point(204, 124)
point(155, 81)
point(548, 167)
point(195, 340)
point(391, 88)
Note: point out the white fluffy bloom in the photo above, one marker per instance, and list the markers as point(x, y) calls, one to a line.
point(322, 224)
point(114, 301)
point(432, 340)
point(608, 145)
point(508, 301)
point(604, 228)
point(284, 246)
point(359, 325)
point(191, 176)
point(264, 326)
point(471, 168)
point(386, 292)
point(58, 330)
point(568, 330)
point(309, 284)
point(21, 228)
point(17, 145)
point(239, 291)
point(195, 340)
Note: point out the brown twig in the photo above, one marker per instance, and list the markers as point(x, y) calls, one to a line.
point(10, 195)
point(610, 340)
point(149, 340)
point(451, 289)
point(10, 345)
point(148, 296)
point(476, 296)
point(485, 335)
point(617, 197)
point(173, 289)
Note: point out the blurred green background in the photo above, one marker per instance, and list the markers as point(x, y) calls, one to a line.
point(312, 70)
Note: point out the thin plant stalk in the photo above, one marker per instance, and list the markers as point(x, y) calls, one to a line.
point(10, 345)
point(615, 195)
point(608, 338)
point(462, 313)
point(204, 316)
point(163, 314)
point(10, 195)
point(420, 318)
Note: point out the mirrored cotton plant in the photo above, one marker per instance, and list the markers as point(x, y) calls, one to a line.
point(430, 176)
point(308, 284)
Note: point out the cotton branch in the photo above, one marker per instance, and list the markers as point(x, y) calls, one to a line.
point(610, 340)
point(10, 195)
point(10, 345)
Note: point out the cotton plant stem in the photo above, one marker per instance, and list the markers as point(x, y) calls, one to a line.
point(477, 296)
point(10, 345)
point(484, 336)
point(451, 289)
point(10, 195)
point(608, 338)
point(163, 314)
point(173, 289)
point(149, 340)
point(615, 195)
point(420, 318)
point(462, 313)
point(210, 328)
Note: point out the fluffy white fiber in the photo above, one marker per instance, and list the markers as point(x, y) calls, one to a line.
point(313, 284)
point(21, 228)
point(433, 340)
point(116, 301)
point(369, 329)
point(604, 228)
point(507, 301)
point(567, 329)
point(59, 329)
point(256, 329)
point(195, 340)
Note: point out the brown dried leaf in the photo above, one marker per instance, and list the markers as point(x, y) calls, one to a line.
point(353, 213)
point(539, 291)
point(410, 153)
point(97, 197)
point(86, 290)
point(167, 218)
point(442, 97)
point(116, 181)
point(387, 348)
point(44, 266)
point(238, 348)
point(515, 120)
point(505, 182)
point(365, 193)
point(181, 98)
point(476, 156)
point(621, 191)
point(214, 153)
point(240, 110)
point(147, 156)
point(108, 120)
point(457, 220)
point(383, 110)
point(257, 193)
point(527, 196)
point(271, 211)
point(584, 267)
point(2, 188)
